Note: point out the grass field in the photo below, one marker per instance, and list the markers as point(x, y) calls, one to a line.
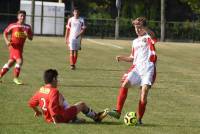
point(173, 103)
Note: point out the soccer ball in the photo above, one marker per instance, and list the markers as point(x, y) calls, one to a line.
point(130, 119)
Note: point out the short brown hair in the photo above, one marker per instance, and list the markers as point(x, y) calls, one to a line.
point(21, 12)
point(140, 21)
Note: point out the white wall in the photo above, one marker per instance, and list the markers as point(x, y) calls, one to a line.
point(51, 10)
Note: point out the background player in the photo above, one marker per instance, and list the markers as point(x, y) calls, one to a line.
point(53, 105)
point(143, 70)
point(74, 30)
point(19, 31)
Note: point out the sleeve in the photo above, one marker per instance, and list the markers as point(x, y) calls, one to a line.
point(54, 103)
point(132, 51)
point(83, 26)
point(68, 26)
point(30, 33)
point(8, 29)
point(33, 102)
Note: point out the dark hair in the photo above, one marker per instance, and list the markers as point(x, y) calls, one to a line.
point(50, 75)
point(143, 20)
point(75, 8)
point(21, 11)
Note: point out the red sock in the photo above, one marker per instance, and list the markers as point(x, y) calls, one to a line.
point(17, 72)
point(121, 98)
point(141, 109)
point(71, 60)
point(75, 59)
point(3, 71)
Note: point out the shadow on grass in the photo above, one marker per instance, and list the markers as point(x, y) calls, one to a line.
point(101, 123)
point(170, 125)
point(103, 86)
point(98, 69)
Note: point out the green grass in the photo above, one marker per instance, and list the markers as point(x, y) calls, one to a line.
point(173, 103)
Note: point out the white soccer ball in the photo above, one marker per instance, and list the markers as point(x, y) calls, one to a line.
point(130, 119)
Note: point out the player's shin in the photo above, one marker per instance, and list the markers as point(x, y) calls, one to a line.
point(90, 113)
point(4, 70)
point(121, 98)
point(141, 109)
point(17, 70)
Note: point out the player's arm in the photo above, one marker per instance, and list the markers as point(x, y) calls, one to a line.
point(54, 106)
point(124, 58)
point(83, 28)
point(30, 34)
point(37, 112)
point(67, 35)
point(81, 32)
point(5, 35)
point(67, 32)
point(33, 103)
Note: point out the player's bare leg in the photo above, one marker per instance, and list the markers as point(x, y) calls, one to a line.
point(6, 68)
point(142, 102)
point(123, 91)
point(17, 70)
point(97, 117)
point(72, 57)
point(75, 56)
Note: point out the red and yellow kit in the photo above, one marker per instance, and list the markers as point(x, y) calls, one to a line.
point(19, 33)
point(47, 98)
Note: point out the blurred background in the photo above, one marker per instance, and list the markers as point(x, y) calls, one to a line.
point(172, 20)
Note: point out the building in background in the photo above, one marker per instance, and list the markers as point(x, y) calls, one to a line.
point(49, 17)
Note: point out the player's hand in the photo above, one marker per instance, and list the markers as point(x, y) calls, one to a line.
point(8, 43)
point(77, 36)
point(67, 41)
point(37, 114)
point(118, 58)
point(25, 33)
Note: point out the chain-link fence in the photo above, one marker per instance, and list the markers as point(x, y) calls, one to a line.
point(105, 28)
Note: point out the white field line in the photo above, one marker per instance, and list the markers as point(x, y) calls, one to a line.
point(104, 44)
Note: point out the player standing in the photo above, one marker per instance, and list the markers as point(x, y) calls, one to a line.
point(143, 70)
point(53, 105)
point(19, 31)
point(74, 29)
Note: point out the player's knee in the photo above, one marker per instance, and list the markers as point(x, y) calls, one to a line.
point(17, 65)
point(20, 62)
point(82, 105)
point(6, 66)
point(125, 84)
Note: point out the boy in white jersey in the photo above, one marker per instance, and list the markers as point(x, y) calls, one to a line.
point(74, 30)
point(143, 70)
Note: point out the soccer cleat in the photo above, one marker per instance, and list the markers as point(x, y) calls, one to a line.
point(101, 115)
point(114, 114)
point(73, 67)
point(139, 122)
point(17, 81)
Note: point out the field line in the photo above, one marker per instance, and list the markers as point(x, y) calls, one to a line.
point(104, 44)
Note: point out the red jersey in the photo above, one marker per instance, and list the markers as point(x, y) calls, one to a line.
point(47, 98)
point(18, 35)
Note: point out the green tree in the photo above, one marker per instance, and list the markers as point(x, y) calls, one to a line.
point(194, 4)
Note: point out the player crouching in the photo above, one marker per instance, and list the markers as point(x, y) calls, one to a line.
point(55, 108)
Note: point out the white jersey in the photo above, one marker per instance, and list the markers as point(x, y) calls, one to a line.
point(143, 70)
point(75, 26)
point(143, 50)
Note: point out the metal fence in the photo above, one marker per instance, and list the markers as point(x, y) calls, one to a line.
point(105, 28)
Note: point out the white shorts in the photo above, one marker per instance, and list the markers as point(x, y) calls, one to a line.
point(139, 77)
point(74, 44)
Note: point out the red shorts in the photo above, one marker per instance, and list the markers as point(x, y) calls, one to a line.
point(15, 54)
point(69, 114)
